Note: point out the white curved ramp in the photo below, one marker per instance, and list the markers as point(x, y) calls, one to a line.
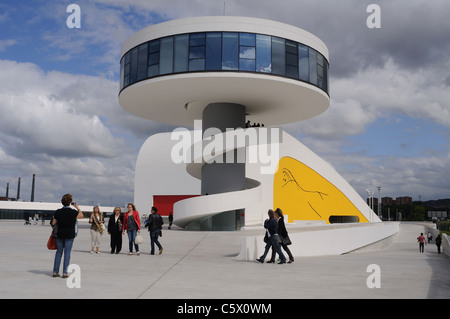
point(202, 207)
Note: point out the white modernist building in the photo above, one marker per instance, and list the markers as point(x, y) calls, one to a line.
point(235, 80)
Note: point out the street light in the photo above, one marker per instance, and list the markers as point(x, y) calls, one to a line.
point(370, 193)
point(379, 202)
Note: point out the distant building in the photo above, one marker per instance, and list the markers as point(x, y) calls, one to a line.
point(404, 200)
point(387, 201)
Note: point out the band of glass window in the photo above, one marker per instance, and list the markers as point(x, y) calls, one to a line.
point(224, 51)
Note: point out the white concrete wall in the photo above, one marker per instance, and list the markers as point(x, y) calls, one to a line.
point(446, 244)
point(157, 174)
point(319, 240)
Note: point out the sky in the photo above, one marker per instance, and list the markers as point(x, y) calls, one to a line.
point(388, 123)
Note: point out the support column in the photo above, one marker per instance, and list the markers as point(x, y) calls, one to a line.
point(226, 176)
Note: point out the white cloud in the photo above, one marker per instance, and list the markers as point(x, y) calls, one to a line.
point(70, 131)
point(4, 44)
point(41, 121)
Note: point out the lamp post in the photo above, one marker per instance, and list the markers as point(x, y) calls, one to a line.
point(379, 202)
point(370, 194)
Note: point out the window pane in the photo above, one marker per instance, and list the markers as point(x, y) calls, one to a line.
point(247, 53)
point(181, 53)
point(153, 58)
point(319, 59)
point(292, 59)
point(133, 66)
point(312, 66)
point(320, 71)
point(278, 56)
point(291, 47)
point(303, 62)
point(197, 52)
point(122, 73)
point(153, 70)
point(230, 51)
point(197, 39)
point(142, 61)
point(292, 71)
point(325, 76)
point(166, 56)
point(197, 65)
point(213, 51)
point(247, 39)
point(153, 46)
point(246, 65)
point(263, 54)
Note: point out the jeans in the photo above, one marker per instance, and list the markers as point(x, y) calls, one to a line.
point(131, 236)
point(286, 249)
point(154, 234)
point(273, 242)
point(62, 245)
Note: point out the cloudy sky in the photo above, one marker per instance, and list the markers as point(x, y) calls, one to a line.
point(388, 123)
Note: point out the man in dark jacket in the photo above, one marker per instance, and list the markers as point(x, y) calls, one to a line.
point(154, 225)
point(272, 233)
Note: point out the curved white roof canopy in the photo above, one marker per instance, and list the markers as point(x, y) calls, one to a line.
point(179, 99)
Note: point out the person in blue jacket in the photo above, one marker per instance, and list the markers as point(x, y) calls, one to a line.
point(271, 226)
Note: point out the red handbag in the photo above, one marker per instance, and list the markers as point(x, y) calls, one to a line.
point(51, 243)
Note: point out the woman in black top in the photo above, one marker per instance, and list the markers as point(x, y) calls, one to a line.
point(283, 234)
point(65, 218)
point(115, 230)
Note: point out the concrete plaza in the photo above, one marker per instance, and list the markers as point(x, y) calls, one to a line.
point(203, 265)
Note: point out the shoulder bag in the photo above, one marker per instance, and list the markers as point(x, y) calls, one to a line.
point(51, 242)
point(286, 240)
point(138, 239)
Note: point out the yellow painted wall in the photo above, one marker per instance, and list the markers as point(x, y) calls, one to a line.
point(303, 194)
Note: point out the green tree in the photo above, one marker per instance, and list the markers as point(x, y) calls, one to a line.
point(418, 213)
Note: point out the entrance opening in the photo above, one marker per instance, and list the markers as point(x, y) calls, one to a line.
point(336, 219)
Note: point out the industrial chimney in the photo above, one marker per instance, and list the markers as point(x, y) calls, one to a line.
point(32, 188)
point(18, 190)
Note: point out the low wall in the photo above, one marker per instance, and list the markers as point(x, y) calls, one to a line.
point(319, 240)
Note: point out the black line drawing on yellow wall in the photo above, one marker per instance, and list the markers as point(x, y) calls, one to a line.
point(288, 178)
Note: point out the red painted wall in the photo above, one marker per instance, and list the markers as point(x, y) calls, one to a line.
point(164, 203)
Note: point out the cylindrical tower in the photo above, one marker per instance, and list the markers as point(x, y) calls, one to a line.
point(225, 71)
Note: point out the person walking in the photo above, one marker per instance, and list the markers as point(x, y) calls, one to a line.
point(421, 240)
point(132, 224)
point(438, 243)
point(283, 236)
point(65, 218)
point(115, 230)
point(271, 227)
point(96, 220)
point(154, 225)
point(170, 220)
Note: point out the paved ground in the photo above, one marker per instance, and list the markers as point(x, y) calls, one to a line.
point(203, 265)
